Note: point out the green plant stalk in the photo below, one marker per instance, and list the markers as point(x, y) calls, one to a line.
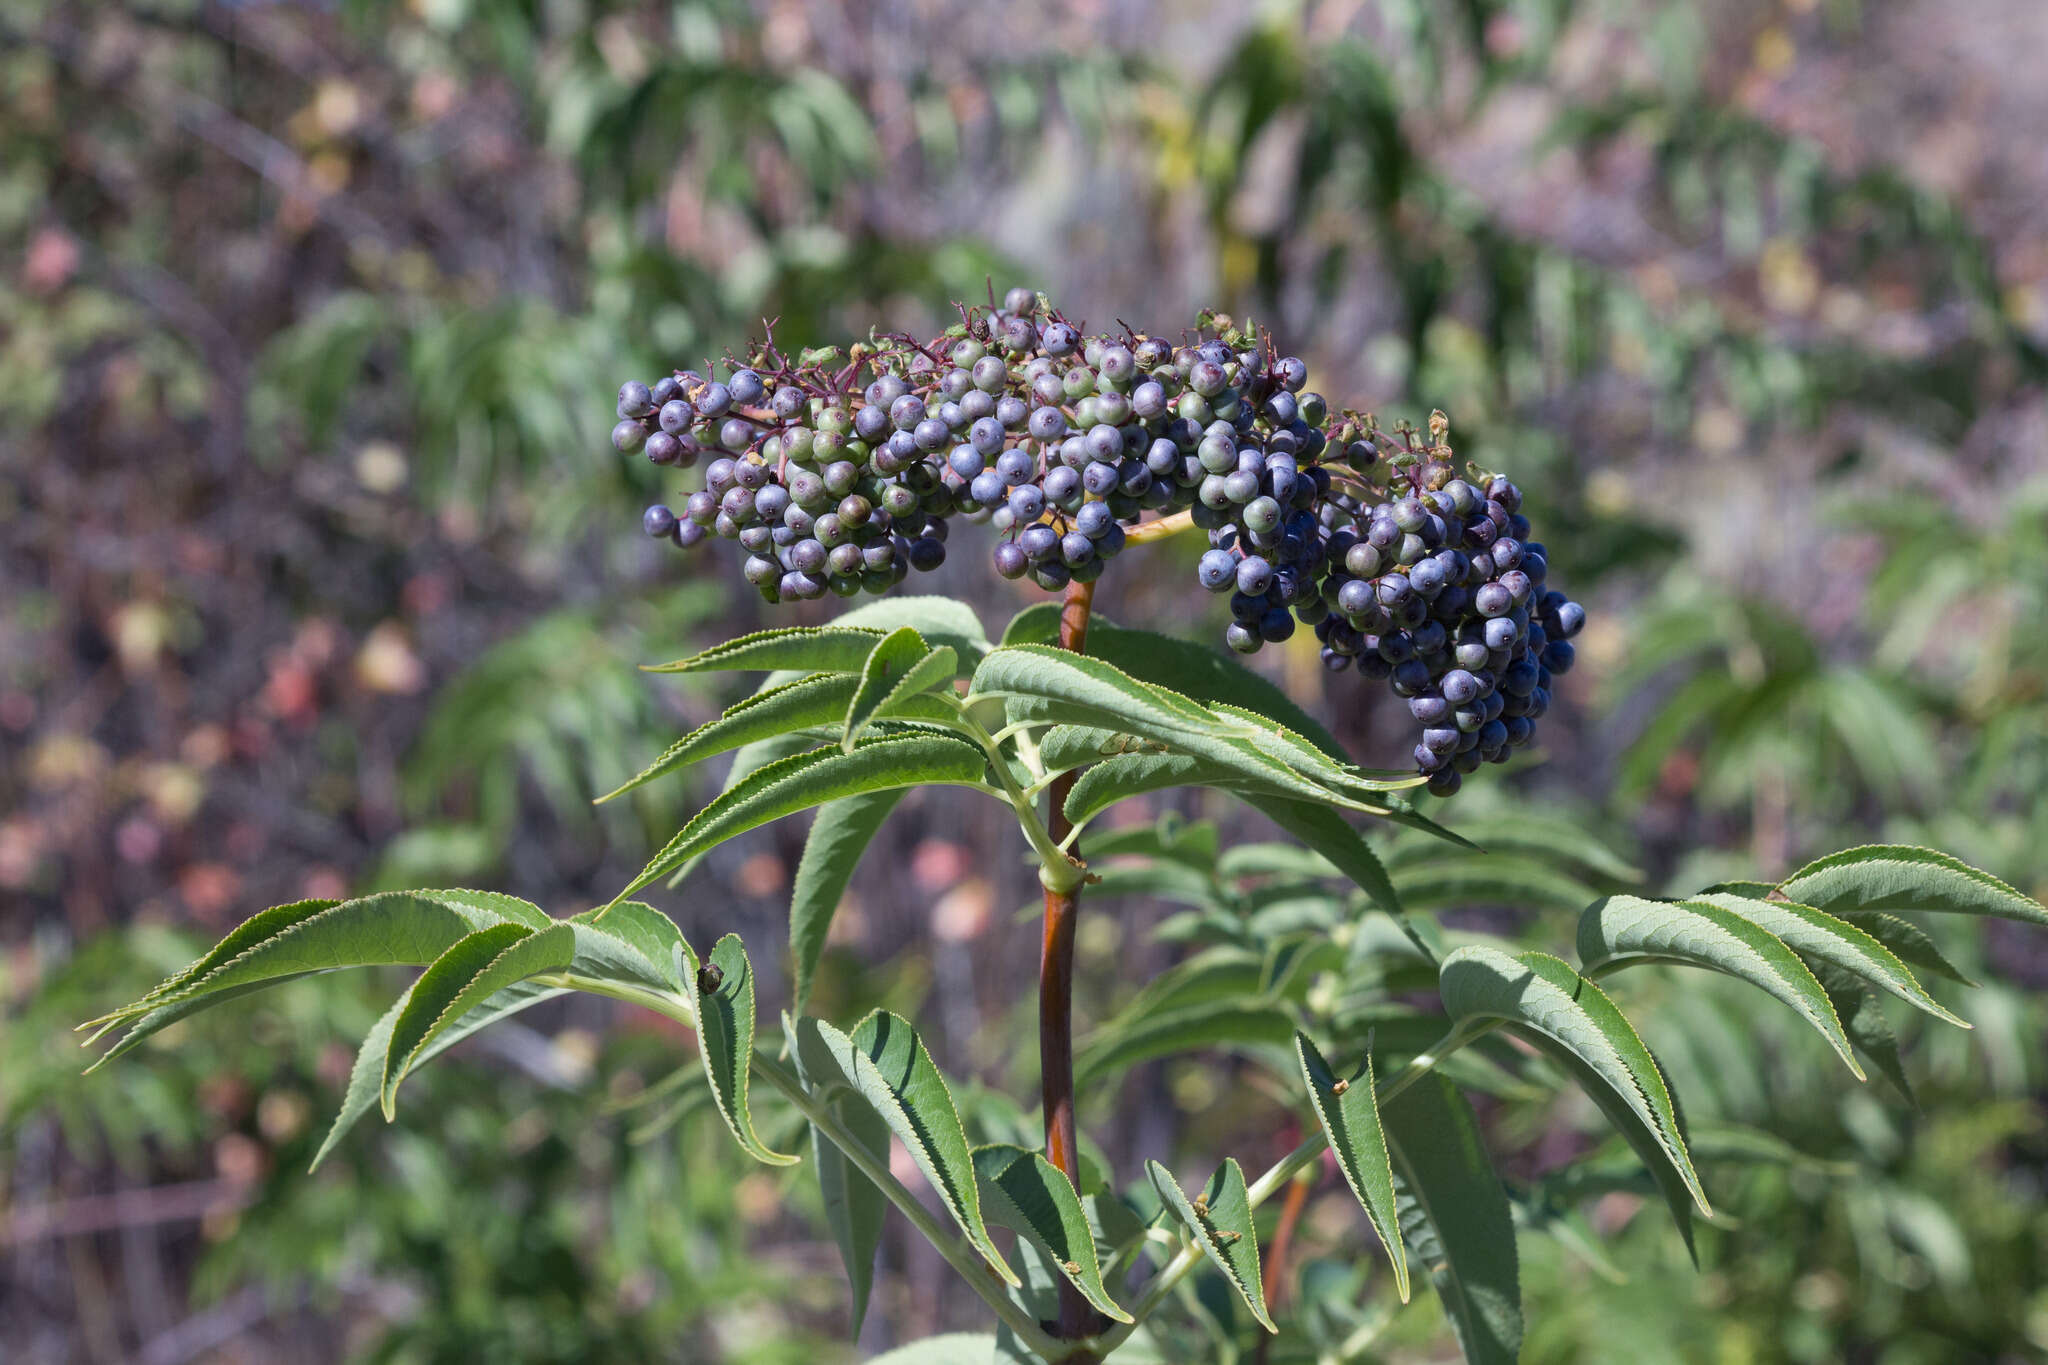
point(955, 1250)
point(1282, 1171)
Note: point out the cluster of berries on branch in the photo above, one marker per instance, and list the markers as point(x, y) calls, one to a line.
point(838, 471)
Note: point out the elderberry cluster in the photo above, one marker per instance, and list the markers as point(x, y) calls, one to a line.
point(837, 472)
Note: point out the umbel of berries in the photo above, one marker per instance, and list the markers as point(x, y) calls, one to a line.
point(840, 471)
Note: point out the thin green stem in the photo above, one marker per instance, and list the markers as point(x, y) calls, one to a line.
point(954, 1248)
point(1056, 870)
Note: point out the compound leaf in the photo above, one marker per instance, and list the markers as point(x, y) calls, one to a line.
point(1618, 929)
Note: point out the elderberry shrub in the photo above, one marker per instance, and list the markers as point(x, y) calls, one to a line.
point(839, 471)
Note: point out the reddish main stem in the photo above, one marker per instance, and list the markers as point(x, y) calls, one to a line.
point(1056, 987)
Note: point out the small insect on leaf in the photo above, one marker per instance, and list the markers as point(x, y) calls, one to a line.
point(1201, 1206)
point(1340, 1087)
point(1071, 1267)
point(709, 978)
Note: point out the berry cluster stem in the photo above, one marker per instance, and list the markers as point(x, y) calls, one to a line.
point(1056, 989)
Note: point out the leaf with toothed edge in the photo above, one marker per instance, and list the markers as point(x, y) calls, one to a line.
point(1821, 937)
point(1455, 1217)
point(854, 1206)
point(1544, 1000)
point(462, 978)
point(722, 998)
point(898, 671)
point(884, 1066)
point(1616, 930)
point(1023, 1191)
point(813, 649)
point(1898, 877)
point(366, 1077)
point(811, 778)
point(1221, 1224)
point(1349, 1113)
point(396, 928)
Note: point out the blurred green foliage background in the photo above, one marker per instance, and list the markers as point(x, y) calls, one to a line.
point(316, 573)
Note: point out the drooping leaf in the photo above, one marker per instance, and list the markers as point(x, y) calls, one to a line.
point(1545, 1000)
point(1208, 675)
point(899, 670)
point(1022, 1190)
point(1455, 1217)
point(812, 778)
point(854, 1206)
point(1349, 1111)
point(722, 997)
point(1863, 1017)
point(1221, 1224)
point(885, 1066)
point(1617, 929)
point(839, 835)
point(1901, 878)
point(1329, 834)
point(366, 1078)
point(811, 649)
point(469, 973)
point(1823, 938)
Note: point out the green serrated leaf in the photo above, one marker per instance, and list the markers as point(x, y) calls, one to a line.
point(1349, 1112)
point(839, 835)
point(885, 1067)
point(366, 1078)
point(898, 672)
point(1022, 1190)
point(1222, 1225)
point(1331, 836)
point(810, 649)
point(1824, 938)
point(808, 702)
point(470, 972)
point(1543, 999)
point(722, 998)
point(396, 928)
point(1908, 940)
point(1455, 1217)
point(1208, 675)
point(854, 1206)
point(941, 620)
point(1618, 929)
point(1898, 877)
point(1863, 1017)
point(634, 944)
point(788, 785)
